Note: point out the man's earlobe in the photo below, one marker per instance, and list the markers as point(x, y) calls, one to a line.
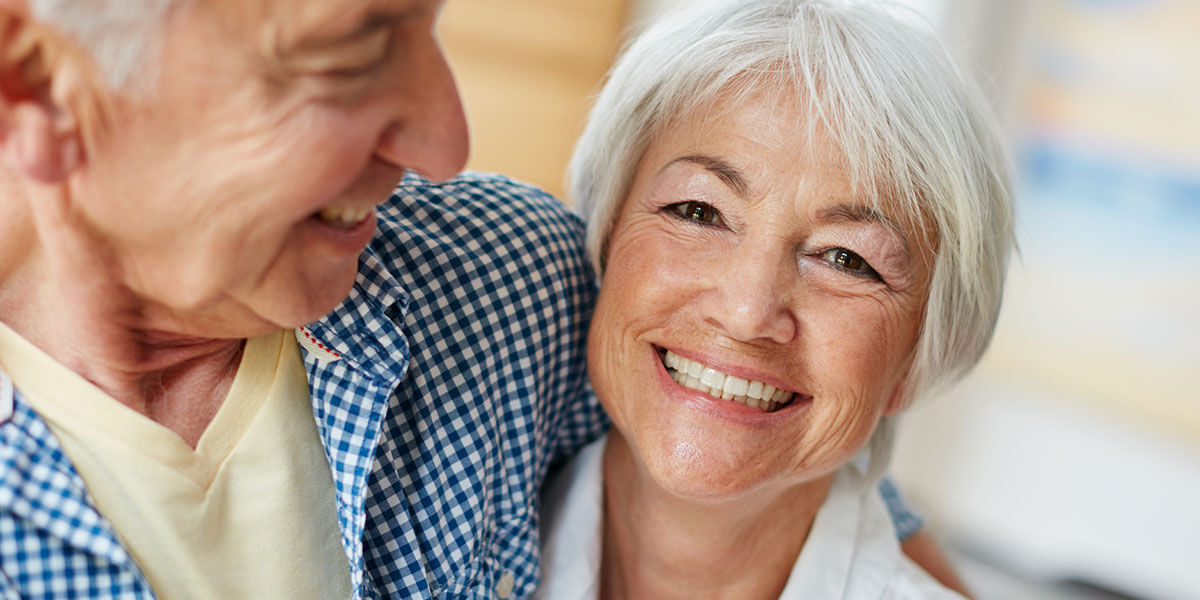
point(32, 145)
point(41, 93)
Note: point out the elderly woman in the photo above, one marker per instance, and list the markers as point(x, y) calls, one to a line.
point(801, 214)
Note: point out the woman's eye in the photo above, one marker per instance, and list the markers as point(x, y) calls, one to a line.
point(700, 212)
point(845, 260)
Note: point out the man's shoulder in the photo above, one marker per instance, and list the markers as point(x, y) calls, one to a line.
point(484, 212)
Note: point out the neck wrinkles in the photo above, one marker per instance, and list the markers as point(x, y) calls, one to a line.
point(60, 290)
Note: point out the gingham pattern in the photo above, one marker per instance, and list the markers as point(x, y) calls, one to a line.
point(443, 387)
point(53, 543)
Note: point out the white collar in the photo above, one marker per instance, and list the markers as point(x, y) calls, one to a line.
point(572, 528)
point(851, 551)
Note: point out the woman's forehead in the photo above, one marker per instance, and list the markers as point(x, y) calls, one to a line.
point(763, 123)
point(753, 133)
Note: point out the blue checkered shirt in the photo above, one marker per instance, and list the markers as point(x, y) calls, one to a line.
point(443, 388)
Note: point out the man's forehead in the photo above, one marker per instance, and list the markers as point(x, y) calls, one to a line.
point(296, 22)
point(302, 19)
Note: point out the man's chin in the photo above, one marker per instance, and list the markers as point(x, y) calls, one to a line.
point(315, 306)
point(296, 305)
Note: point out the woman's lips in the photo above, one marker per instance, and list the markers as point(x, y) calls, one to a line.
point(708, 380)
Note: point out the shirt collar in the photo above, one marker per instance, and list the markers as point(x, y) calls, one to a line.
point(6, 398)
point(50, 494)
point(364, 329)
point(572, 527)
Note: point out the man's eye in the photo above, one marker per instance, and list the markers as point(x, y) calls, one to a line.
point(351, 72)
point(699, 212)
point(845, 260)
point(355, 58)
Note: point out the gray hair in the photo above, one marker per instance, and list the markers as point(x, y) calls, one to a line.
point(913, 130)
point(119, 35)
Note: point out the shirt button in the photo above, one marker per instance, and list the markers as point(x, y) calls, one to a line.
point(504, 587)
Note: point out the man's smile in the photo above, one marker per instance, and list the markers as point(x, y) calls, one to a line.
point(344, 217)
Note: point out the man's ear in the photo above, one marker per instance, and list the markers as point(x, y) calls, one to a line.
point(47, 92)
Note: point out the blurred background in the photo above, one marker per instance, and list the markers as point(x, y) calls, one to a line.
point(1068, 465)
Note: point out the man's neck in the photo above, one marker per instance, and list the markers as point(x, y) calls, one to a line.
point(87, 321)
point(657, 545)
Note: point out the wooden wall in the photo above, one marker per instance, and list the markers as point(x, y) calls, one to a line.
point(526, 70)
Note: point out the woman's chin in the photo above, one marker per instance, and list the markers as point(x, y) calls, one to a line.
point(690, 471)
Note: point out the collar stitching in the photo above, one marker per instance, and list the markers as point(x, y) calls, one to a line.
point(312, 344)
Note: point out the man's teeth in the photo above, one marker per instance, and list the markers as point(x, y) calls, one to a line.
point(344, 218)
point(755, 394)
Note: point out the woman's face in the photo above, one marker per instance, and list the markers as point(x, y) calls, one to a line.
point(741, 258)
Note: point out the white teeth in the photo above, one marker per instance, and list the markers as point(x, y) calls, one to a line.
point(754, 389)
point(712, 378)
point(707, 380)
point(344, 218)
point(735, 386)
point(671, 360)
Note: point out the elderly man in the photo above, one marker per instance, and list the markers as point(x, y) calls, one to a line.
point(188, 186)
point(225, 372)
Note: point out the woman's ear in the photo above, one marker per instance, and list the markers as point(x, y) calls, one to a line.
point(48, 93)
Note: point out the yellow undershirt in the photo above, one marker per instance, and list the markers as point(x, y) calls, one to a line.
point(249, 513)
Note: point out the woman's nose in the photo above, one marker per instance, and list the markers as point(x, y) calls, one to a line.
point(428, 133)
point(750, 299)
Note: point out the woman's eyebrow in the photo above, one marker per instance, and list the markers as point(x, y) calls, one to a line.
point(724, 171)
point(858, 213)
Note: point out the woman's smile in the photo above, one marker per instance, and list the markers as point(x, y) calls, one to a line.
point(748, 391)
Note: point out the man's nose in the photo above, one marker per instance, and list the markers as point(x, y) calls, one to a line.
point(428, 133)
point(752, 295)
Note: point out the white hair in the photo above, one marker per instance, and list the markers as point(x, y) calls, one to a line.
point(915, 133)
point(120, 35)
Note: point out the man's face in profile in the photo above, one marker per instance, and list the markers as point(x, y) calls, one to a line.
point(237, 192)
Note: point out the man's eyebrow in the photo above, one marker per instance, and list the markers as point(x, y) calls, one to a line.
point(859, 213)
point(726, 172)
point(365, 26)
point(324, 28)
